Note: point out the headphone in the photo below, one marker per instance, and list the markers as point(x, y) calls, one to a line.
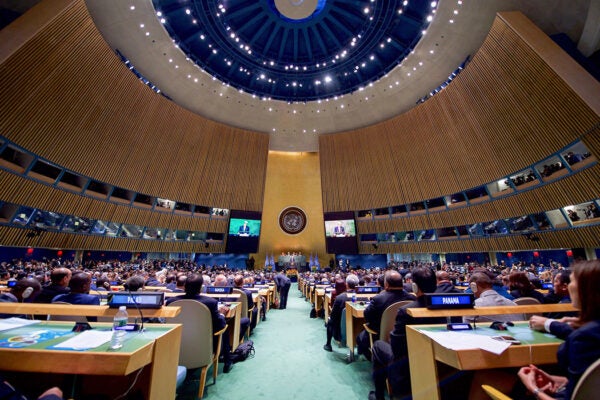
point(415, 288)
point(27, 292)
point(473, 287)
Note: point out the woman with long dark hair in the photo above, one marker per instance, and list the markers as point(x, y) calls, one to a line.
point(582, 346)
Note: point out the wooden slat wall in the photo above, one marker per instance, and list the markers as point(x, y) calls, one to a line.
point(66, 96)
point(16, 237)
point(508, 109)
point(582, 237)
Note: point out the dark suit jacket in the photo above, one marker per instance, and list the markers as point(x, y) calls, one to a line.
point(218, 320)
point(337, 310)
point(399, 374)
point(446, 287)
point(379, 303)
point(78, 298)
point(49, 292)
point(580, 350)
point(281, 280)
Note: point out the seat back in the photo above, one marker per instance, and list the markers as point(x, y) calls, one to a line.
point(526, 301)
point(588, 386)
point(243, 299)
point(196, 348)
point(388, 318)
point(494, 393)
point(71, 318)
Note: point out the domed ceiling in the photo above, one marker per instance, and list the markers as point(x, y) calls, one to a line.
point(296, 50)
point(296, 69)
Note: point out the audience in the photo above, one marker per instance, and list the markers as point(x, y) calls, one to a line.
point(521, 286)
point(393, 293)
point(59, 284)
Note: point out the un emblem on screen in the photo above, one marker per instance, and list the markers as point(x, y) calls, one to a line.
point(292, 220)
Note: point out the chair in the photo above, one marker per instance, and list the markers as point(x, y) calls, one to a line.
point(196, 349)
point(494, 393)
point(388, 318)
point(588, 386)
point(387, 322)
point(71, 318)
point(526, 301)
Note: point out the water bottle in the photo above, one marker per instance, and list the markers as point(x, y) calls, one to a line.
point(354, 297)
point(119, 323)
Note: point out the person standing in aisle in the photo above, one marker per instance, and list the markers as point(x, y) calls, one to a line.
point(283, 284)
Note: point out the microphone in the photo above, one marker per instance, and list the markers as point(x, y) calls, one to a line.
point(496, 324)
point(137, 306)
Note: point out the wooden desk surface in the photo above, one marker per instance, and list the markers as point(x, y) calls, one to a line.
point(157, 346)
point(536, 348)
point(525, 309)
point(81, 310)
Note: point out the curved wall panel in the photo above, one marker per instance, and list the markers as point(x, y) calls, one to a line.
point(66, 96)
point(520, 99)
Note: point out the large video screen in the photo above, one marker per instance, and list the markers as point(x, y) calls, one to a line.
point(340, 228)
point(340, 233)
point(244, 227)
point(244, 232)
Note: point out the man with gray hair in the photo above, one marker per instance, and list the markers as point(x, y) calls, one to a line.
point(481, 284)
point(334, 325)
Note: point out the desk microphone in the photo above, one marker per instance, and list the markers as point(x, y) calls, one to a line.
point(497, 325)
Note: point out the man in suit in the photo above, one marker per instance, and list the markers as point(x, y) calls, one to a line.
point(193, 285)
point(80, 284)
point(444, 284)
point(393, 292)
point(339, 230)
point(59, 284)
point(390, 360)
point(334, 325)
point(244, 229)
point(238, 283)
point(222, 281)
point(283, 284)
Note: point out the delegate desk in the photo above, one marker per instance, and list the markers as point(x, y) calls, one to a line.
point(355, 318)
point(423, 352)
point(156, 350)
point(82, 310)
point(233, 317)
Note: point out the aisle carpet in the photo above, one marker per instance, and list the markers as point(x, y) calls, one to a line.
point(290, 362)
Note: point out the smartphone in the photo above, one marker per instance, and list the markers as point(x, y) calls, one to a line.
point(506, 338)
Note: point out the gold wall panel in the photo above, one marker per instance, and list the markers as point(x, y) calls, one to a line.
point(293, 180)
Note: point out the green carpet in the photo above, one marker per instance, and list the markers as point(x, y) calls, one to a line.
point(290, 362)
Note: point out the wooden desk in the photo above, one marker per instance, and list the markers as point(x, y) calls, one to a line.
point(355, 318)
point(525, 309)
point(233, 318)
point(82, 310)
point(423, 352)
point(157, 347)
point(327, 304)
